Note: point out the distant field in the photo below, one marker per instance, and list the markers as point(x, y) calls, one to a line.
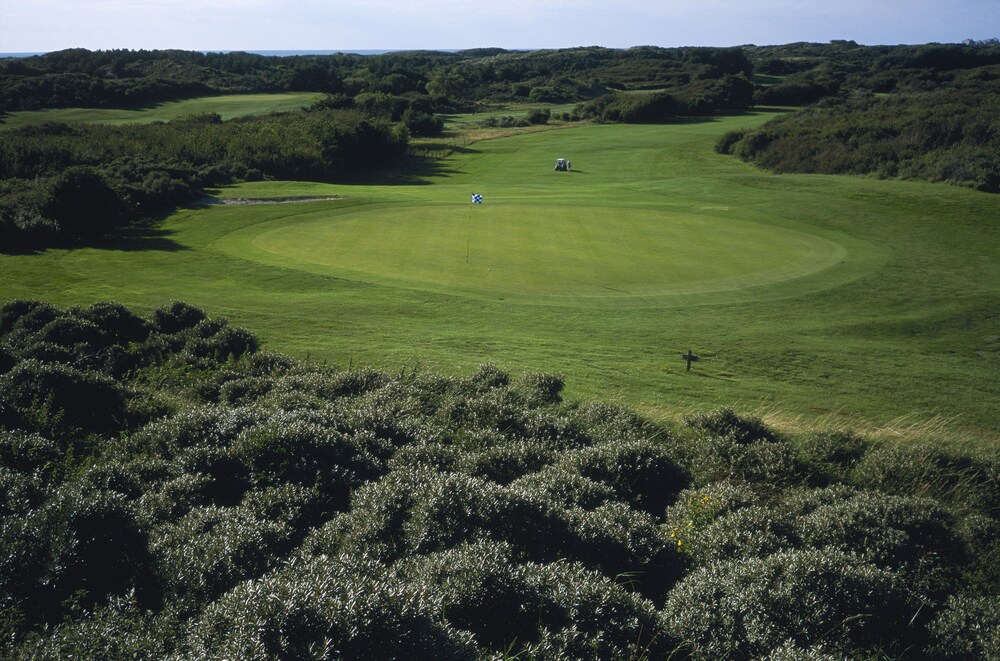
point(236, 105)
point(813, 300)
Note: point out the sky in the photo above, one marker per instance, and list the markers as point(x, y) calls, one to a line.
point(47, 25)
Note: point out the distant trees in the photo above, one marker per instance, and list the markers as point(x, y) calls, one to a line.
point(68, 184)
point(950, 135)
point(698, 98)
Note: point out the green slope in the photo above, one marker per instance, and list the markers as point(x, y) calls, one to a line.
point(845, 300)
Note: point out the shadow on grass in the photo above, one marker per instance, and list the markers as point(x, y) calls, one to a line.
point(139, 239)
point(126, 239)
point(415, 170)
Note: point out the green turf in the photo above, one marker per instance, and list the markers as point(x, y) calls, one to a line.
point(545, 252)
point(822, 299)
point(228, 107)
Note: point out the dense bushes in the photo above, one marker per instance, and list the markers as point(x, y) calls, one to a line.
point(700, 97)
point(949, 134)
point(69, 184)
point(746, 608)
point(166, 491)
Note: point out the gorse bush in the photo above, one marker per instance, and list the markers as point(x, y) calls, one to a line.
point(167, 491)
point(746, 608)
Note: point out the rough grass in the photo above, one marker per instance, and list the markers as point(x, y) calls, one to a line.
point(902, 328)
point(228, 107)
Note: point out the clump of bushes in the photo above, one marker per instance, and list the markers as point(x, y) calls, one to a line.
point(167, 490)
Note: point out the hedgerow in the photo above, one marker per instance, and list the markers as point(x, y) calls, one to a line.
point(168, 491)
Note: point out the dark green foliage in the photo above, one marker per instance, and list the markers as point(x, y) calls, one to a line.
point(926, 470)
point(631, 107)
point(119, 630)
point(910, 535)
point(726, 423)
point(71, 552)
point(728, 446)
point(830, 456)
point(72, 184)
point(167, 491)
point(539, 116)
point(947, 134)
point(967, 628)
point(746, 608)
point(346, 606)
point(641, 473)
point(55, 398)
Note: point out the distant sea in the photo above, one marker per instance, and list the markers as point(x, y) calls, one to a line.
point(274, 53)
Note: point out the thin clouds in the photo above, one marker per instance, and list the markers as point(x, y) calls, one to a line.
point(395, 24)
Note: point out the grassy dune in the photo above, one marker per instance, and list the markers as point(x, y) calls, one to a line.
point(815, 300)
point(228, 107)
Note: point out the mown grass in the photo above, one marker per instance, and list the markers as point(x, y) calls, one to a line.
point(228, 107)
point(904, 327)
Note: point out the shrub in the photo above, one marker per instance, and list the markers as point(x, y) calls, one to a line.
point(289, 447)
point(542, 611)
point(118, 630)
point(751, 532)
point(593, 618)
point(789, 651)
point(324, 607)
point(541, 389)
point(724, 145)
point(746, 608)
point(245, 390)
point(54, 398)
point(619, 541)
point(561, 485)
point(967, 628)
point(829, 456)
point(642, 473)
point(728, 446)
point(26, 316)
point(76, 549)
point(726, 423)
point(538, 116)
point(69, 330)
point(602, 420)
point(174, 498)
point(211, 549)
point(911, 535)
point(482, 590)
point(26, 452)
point(421, 511)
point(176, 316)
point(928, 471)
point(506, 461)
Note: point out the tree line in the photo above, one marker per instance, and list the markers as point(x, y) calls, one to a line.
point(62, 184)
point(171, 491)
point(949, 133)
point(125, 78)
point(911, 111)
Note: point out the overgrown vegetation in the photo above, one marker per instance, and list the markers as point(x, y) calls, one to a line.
point(172, 492)
point(920, 112)
point(950, 135)
point(63, 183)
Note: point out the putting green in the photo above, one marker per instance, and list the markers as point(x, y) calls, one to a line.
point(521, 251)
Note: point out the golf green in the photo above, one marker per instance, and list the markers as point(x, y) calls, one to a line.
point(522, 251)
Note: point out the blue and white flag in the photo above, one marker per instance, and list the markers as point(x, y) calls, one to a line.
point(477, 198)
